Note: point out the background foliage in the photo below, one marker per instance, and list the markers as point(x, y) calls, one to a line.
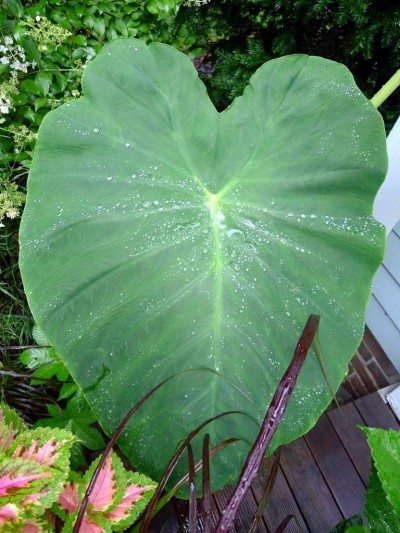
point(238, 36)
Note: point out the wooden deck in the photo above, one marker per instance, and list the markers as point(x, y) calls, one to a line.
point(322, 477)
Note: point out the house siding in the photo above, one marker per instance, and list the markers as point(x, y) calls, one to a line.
point(383, 312)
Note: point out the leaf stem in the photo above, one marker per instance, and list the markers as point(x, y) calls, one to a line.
point(386, 90)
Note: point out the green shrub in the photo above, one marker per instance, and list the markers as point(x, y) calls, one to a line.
point(44, 48)
point(241, 35)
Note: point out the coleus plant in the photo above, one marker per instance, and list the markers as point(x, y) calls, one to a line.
point(35, 477)
point(161, 236)
point(34, 465)
point(117, 499)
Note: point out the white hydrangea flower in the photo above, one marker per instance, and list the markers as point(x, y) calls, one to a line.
point(12, 213)
point(7, 90)
point(14, 55)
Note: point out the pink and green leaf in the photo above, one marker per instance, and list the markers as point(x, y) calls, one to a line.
point(34, 465)
point(117, 499)
point(138, 493)
point(7, 435)
point(105, 488)
point(19, 478)
point(69, 499)
point(11, 418)
point(110, 485)
point(45, 446)
point(28, 523)
point(50, 448)
point(8, 513)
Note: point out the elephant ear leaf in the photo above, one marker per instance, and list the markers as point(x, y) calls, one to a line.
point(161, 236)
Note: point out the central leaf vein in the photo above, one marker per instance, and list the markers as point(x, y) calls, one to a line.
point(218, 271)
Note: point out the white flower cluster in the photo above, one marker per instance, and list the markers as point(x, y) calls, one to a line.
point(197, 3)
point(7, 90)
point(5, 106)
point(13, 55)
point(11, 199)
point(45, 33)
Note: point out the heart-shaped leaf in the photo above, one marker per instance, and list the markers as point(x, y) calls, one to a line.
point(160, 235)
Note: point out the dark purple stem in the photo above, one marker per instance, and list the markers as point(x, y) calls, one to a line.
point(25, 347)
point(192, 491)
point(270, 424)
point(285, 522)
point(206, 484)
point(273, 466)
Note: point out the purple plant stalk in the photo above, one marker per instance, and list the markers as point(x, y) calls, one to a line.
point(145, 524)
point(206, 484)
point(192, 523)
point(270, 424)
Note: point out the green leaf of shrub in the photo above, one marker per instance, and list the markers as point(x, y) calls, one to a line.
point(14, 6)
point(45, 364)
point(67, 390)
point(379, 512)
point(31, 87)
point(385, 451)
point(77, 418)
point(43, 81)
point(174, 237)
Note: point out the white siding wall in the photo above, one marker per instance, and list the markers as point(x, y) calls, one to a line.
point(383, 312)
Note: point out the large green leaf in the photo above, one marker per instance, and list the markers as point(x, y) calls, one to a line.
point(160, 235)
